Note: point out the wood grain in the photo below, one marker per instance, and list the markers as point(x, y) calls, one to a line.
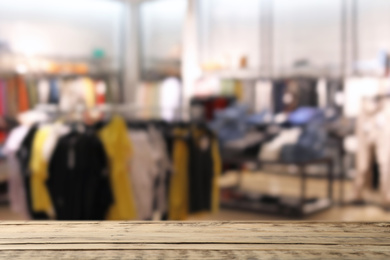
point(194, 240)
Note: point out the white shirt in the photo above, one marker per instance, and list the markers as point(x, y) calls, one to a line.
point(16, 188)
point(143, 173)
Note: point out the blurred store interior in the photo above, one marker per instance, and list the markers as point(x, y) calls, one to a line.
point(195, 110)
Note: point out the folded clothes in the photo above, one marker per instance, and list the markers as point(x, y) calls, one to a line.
point(230, 123)
point(311, 144)
point(305, 115)
point(271, 151)
point(250, 139)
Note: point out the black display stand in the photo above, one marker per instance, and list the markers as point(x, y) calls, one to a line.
point(294, 207)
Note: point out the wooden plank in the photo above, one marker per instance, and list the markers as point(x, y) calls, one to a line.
point(236, 247)
point(272, 226)
point(196, 232)
point(191, 254)
point(194, 240)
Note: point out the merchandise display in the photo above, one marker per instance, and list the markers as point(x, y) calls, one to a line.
point(112, 170)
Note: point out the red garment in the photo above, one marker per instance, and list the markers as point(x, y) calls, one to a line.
point(214, 104)
point(12, 99)
point(220, 103)
point(2, 99)
point(100, 90)
point(22, 95)
point(2, 137)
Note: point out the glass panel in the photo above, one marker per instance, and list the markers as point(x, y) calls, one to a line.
point(307, 31)
point(229, 31)
point(72, 28)
point(373, 28)
point(161, 26)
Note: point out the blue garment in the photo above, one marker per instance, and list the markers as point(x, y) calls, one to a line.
point(278, 90)
point(229, 124)
point(311, 144)
point(305, 115)
point(54, 95)
point(258, 119)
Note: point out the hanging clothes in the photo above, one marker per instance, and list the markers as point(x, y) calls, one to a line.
point(2, 110)
point(373, 131)
point(24, 155)
point(114, 90)
point(357, 88)
point(57, 131)
point(79, 178)
point(109, 93)
point(238, 90)
point(263, 95)
point(72, 94)
point(119, 150)
point(217, 168)
point(40, 197)
point(169, 101)
point(322, 93)
point(32, 93)
point(307, 92)
point(16, 191)
point(54, 93)
point(23, 103)
point(143, 173)
point(101, 90)
point(2, 99)
point(164, 168)
point(43, 91)
point(204, 170)
point(89, 92)
point(178, 193)
point(228, 87)
point(12, 98)
point(278, 90)
point(200, 171)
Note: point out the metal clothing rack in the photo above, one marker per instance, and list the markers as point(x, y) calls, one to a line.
point(295, 208)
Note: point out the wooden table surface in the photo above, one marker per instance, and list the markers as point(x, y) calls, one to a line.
point(194, 240)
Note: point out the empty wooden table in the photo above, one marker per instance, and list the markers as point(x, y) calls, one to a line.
point(194, 240)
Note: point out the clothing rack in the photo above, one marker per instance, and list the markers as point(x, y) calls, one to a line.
point(130, 110)
point(144, 142)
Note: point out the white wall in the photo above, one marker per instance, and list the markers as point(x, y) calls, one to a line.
point(307, 29)
point(161, 29)
point(71, 28)
point(303, 29)
point(230, 29)
point(374, 28)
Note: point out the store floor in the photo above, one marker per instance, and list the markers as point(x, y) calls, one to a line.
point(286, 185)
point(290, 186)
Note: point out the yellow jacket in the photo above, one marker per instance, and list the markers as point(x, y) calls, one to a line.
point(40, 196)
point(118, 148)
point(217, 173)
point(178, 192)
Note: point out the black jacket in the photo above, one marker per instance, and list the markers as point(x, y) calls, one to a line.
point(78, 178)
point(24, 156)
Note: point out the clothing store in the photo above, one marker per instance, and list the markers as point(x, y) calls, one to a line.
point(194, 110)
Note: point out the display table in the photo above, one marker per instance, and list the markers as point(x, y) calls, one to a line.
point(194, 240)
point(293, 207)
